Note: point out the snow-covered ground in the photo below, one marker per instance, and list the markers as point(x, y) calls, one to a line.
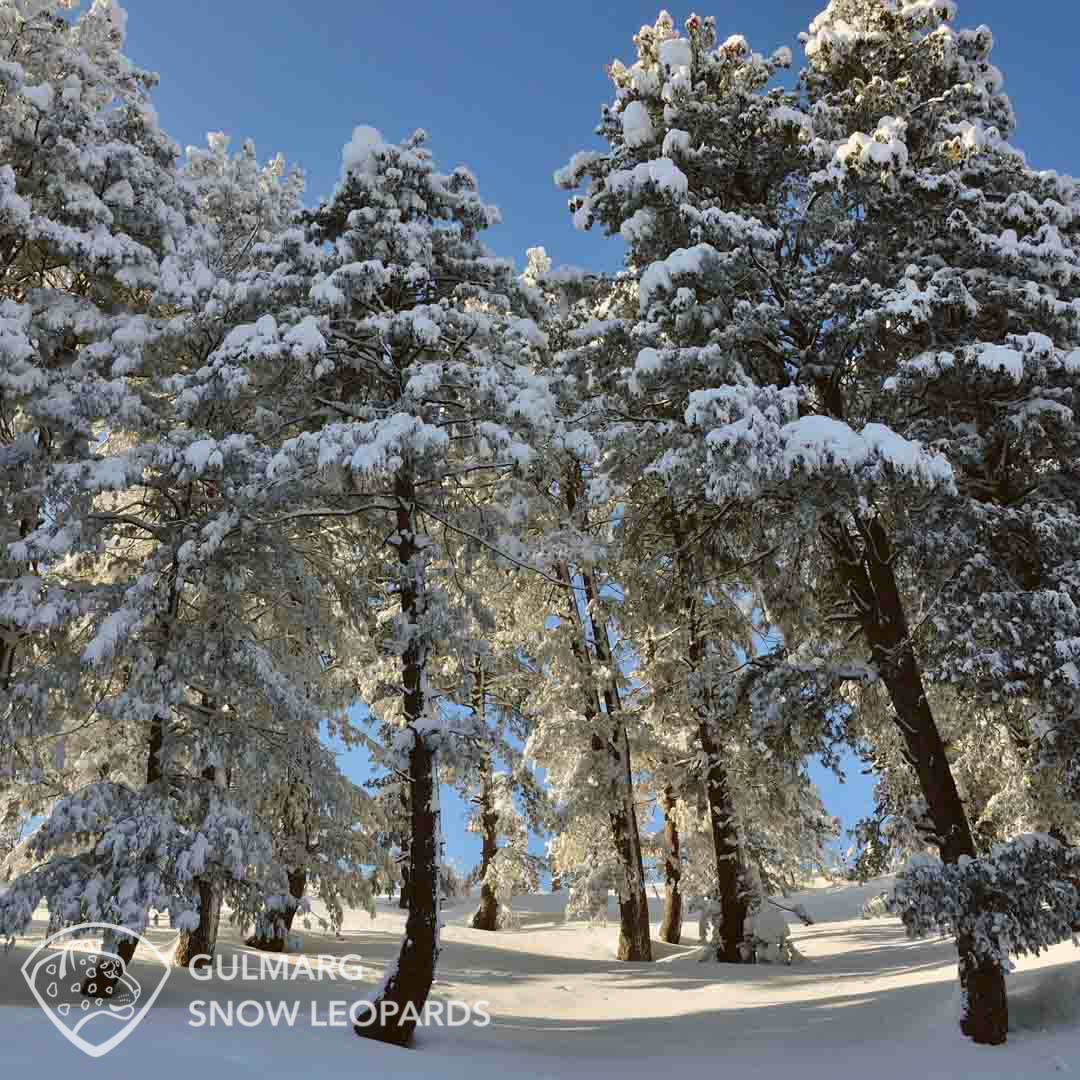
point(865, 1001)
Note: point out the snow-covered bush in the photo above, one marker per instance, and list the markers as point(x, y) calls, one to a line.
point(769, 936)
point(766, 934)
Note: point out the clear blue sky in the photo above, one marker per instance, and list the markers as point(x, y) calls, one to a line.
point(511, 90)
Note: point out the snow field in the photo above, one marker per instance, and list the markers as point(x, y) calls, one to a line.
point(865, 1001)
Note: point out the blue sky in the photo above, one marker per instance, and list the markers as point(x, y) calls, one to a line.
point(511, 90)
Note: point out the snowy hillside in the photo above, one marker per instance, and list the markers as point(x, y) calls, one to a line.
point(562, 1006)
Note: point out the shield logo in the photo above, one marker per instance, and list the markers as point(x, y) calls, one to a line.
point(83, 988)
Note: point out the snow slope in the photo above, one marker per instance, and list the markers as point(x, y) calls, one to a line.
point(866, 1001)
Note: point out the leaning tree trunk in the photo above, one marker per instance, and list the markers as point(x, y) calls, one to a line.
point(671, 920)
point(396, 1009)
point(870, 577)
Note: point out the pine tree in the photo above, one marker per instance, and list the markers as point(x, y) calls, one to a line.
point(418, 373)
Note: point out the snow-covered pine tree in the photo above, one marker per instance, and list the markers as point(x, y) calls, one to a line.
point(89, 205)
point(584, 733)
point(958, 334)
point(142, 554)
point(418, 382)
point(507, 799)
point(695, 173)
point(822, 309)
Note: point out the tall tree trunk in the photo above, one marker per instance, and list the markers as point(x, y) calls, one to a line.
point(487, 914)
point(726, 849)
point(635, 942)
point(730, 883)
point(399, 1005)
point(868, 572)
point(671, 921)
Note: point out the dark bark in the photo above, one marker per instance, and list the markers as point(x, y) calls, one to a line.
point(198, 944)
point(403, 898)
point(7, 664)
point(866, 566)
point(102, 984)
point(278, 940)
point(400, 1004)
point(635, 942)
point(730, 884)
point(487, 914)
point(196, 947)
point(671, 921)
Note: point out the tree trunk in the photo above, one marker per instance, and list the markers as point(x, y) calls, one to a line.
point(399, 1005)
point(103, 982)
point(729, 883)
point(671, 921)
point(278, 940)
point(635, 942)
point(871, 580)
point(196, 947)
point(634, 938)
point(403, 897)
point(730, 890)
point(487, 914)
point(556, 883)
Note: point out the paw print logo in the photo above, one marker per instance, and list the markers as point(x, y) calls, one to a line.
point(92, 999)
